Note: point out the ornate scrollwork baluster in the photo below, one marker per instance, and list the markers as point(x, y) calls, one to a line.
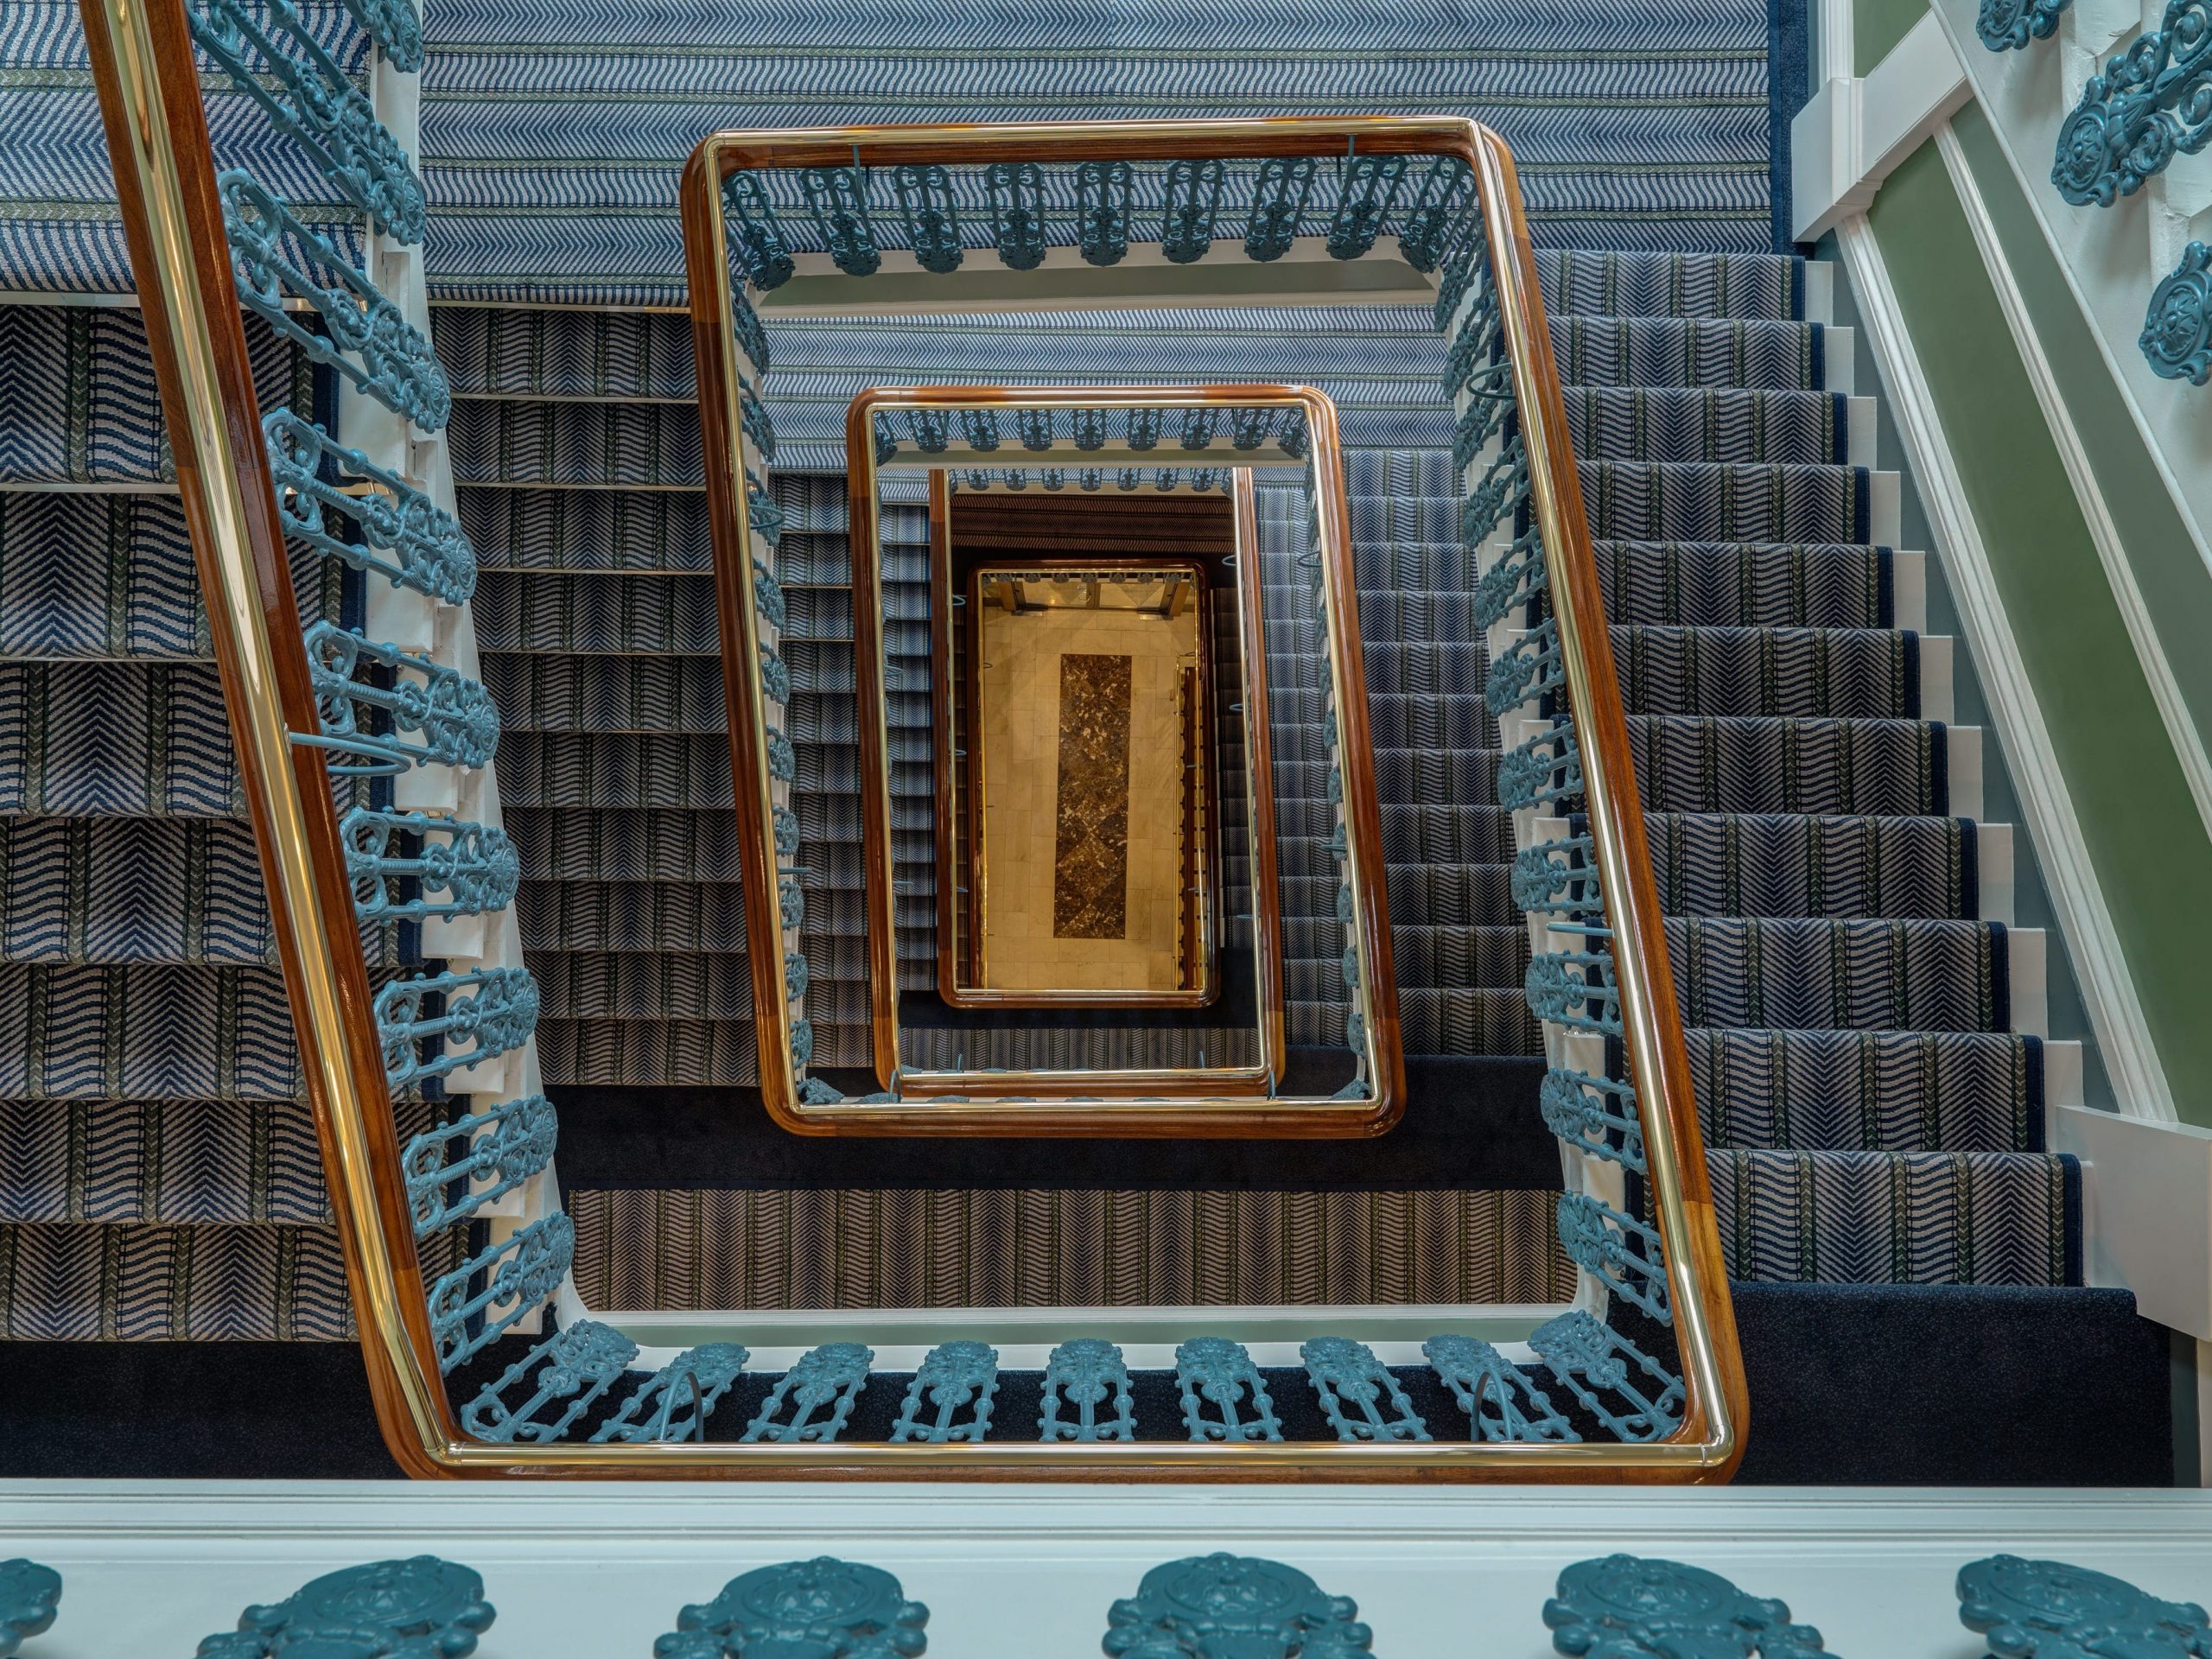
point(1620, 1251)
point(762, 248)
point(954, 1377)
point(822, 1608)
point(504, 1147)
point(483, 1015)
point(1088, 427)
point(401, 1609)
point(1101, 197)
point(933, 221)
point(474, 865)
point(1225, 1607)
point(1224, 1397)
point(475, 1305)
point(1278, 205)
point(1187, 224)
point(305, 93)
point(1434, 221)
point(1142, 428)
point(2009, 25)
point(30, 1599)
point(1597, 1115)
point(1354, 1386)
point(1086, 1380)
point(837, 197)
point(1200, 427)
point(575, 1366)
point(425, 547)
point(1017, 193)
point(2177, 336)
point(370, 342)
point(437, 715)
point(1501, 1401)
point(819, 1391)
point(1627, 1606)
point(980, 427)
point(2146, 105)
point(676, 1404)
point(1628, 1391)
point(1034, 427)
point(2049, 1609)
point(1369, 192)
point(396, 28)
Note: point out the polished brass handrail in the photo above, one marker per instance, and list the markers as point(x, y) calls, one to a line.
point(142, 64)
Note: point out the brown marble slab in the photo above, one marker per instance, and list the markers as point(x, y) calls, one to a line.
point(1091, 854)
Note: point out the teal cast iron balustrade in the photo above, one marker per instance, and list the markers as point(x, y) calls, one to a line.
point(425, 1608)
point(478, 1016)
point(306, 94)
point(2177, 336)
point(502, 1148)
point(949, 1399)
point(1503, 1403)
point(1622, 1253)
point(30, 1599)
point(2009, 25)
point(676, 1404)
point(2148, 104)
point(400, 862)
point(569, 1373)
point(369, 342)
point(933, 219)
point(1087, 1394)
point(1631, 1607)
point(1360, 1398)
point(1224, 1606)
point(819, 1392)
point(433, 716)
point(821, 1609)
point(477, 1302)
point(422, 546)
point(1224, 1397)
point(2049, 1609)
point(1627, 1390)
point(396, 28)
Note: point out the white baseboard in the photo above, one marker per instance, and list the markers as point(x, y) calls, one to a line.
point(2147, 1216)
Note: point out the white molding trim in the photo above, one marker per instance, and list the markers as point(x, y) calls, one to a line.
point(1855, 130)
point(2147, 1225)
point(2112, 551)
point(2107, 986)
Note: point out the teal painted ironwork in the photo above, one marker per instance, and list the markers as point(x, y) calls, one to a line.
point(1530, 667)
point(1034, 428)
point(752, 223)
point(819, 1391)
point(980, 427)
point(1501, 1401)
point(369, 342)
point(1224, 1606)
point(2050, 1609)
point(1142, 428)
point(821, 1609)
point(1355, 1388)
point(1557, 878)
point(434, 715)
point(954, 1377)
point(398, 861)
point(933, 221)
point(1200, 427)
point(1369, 192)
point(2009, 25)
point(500, 1148)
point(1017, 193)
point(396, 28)
point(566, 1375)
point(837, 197)
point(405, 537)
point(477, 1016)
point(2176, 338)
point(1542, 769)
point(2146, 105)
point(1278, 201)
point(30, 1601)
point(1087, 1394)
point(674, 1405)
point(1187, 224)
point(1434, 220)
point(752, 416)
point(1101, 197)
point(1633, 1607)
point(1596, 1115)
point(1516, 580)
point(1619, 1251)
point(1573, 988)
point(305, 94)
point(423, 1608)
point(1224, 1397)
point(476, 1303)
point(1627, 1390)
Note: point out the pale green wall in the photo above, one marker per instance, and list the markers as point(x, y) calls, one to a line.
point(1878, 25)
point(2152, 857)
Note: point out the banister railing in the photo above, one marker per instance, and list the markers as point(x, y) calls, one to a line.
point(1673, 1416)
